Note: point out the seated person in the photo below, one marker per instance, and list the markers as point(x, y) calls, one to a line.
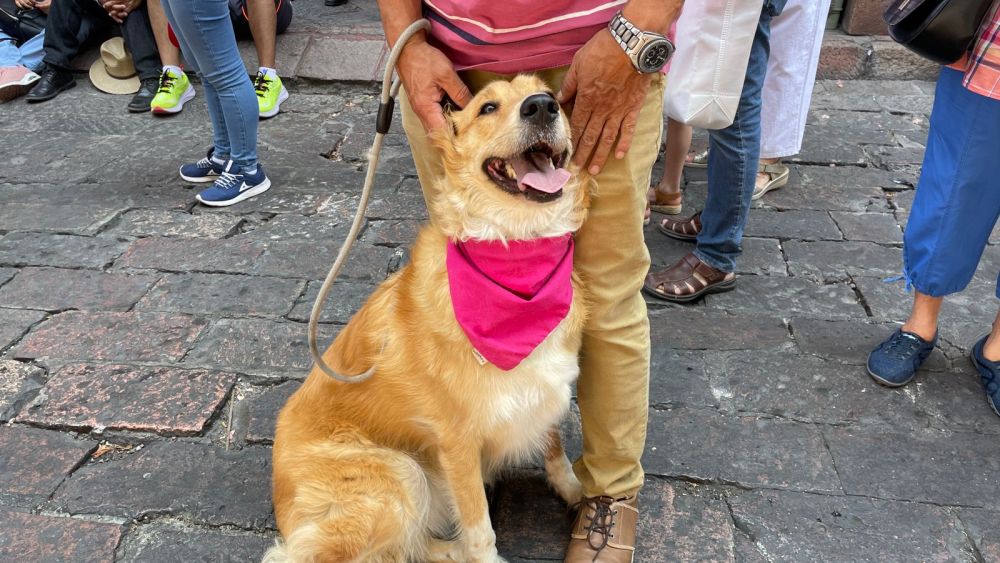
point(22, 25)
point(72, 24)
point(260, 20)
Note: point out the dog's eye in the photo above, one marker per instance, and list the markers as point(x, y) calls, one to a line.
point(489, 107)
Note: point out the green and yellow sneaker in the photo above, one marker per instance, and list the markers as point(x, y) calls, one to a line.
point(270, 93)
point(175, 91)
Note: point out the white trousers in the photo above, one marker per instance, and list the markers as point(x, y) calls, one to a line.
point(796, 40)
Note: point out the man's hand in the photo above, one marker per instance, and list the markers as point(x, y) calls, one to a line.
point(609, 94)
point(25, 4)
point(428, 77)
point(120, 9)
point(43, 5)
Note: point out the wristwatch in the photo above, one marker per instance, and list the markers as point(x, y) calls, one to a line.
point(648, 51)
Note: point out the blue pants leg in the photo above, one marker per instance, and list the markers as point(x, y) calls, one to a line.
point(732, 161)
point(958, 197)
point(207, 40)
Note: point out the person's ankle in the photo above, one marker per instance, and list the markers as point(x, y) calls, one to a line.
point(924, 331)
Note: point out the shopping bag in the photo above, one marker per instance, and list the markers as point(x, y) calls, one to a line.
point(707, 71)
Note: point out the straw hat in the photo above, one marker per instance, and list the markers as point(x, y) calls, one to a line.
point(114, 72)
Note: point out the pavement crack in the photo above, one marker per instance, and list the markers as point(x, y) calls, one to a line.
point(860, 297)
point(973, 546)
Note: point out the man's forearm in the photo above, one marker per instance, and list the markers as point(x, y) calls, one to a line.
point(397, 15)
point(653, 15)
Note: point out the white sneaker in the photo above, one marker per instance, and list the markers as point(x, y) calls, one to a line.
point(15, 81)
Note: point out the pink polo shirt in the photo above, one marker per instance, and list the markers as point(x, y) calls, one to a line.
point(511, 36)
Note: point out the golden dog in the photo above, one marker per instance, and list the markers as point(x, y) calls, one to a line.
point(378, 471)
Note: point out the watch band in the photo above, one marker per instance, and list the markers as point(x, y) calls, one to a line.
point(624, 32)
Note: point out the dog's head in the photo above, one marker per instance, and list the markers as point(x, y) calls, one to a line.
point(507, 167)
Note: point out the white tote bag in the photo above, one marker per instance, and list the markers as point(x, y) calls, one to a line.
point(707, 71)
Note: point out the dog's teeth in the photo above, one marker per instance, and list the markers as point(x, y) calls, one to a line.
point(509, 170)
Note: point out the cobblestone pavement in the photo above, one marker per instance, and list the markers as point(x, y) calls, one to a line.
point(148, 342)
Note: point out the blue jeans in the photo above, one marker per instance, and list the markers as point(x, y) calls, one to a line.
point(732, 160)
point(208, 43)
point(958, 197)
point(27, 54)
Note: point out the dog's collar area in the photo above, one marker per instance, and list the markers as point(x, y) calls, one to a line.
point(508, 298)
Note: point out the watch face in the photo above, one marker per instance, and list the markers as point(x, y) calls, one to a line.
point(654, 56)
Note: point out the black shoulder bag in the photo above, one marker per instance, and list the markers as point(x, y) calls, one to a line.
point(939, 30)
point(20, 24)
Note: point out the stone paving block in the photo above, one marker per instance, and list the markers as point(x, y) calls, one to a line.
point(342, 58)
point(933, 466)
point(853, 88)
point(746, 450)
point(344, 300)
point(887, 300)
point(849, 341)
point(67, 251)
point(870, 227)
point(53, 456)
point(17, 382)
point(538, 532)
point(809, 389)
point(14, 323)
point(312, 261)
point(892, 61)
point(288, 50)
point(79, 218)
point(886, 157)
point(798, 224)
point(191, 255)
point(696, 329)
point(824, 178)
point(682, 527)
point(680, 378)
point(760, 256)
point(167, 223)
point(222, 295)
point(200, 482)
point(178, 542)
point(842, 59)
point(824, 100)
point(261, 412)
point(826, 149)
point(120, 397)
point(301, 228)
point(256, 346)
point(793, 527)
point(833, 261)
point(811, 196)
point(57, 289)
point(6, 274)
point(37, 538)
point(78, 335)
point(982, 527)
point(398, 206)
point(868, 128)
point(916, 105)
point(393, 232)
point(772, 295)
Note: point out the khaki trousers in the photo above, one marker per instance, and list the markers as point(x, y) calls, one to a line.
point(612, 260)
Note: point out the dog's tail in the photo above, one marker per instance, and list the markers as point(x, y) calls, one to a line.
point(353, 502)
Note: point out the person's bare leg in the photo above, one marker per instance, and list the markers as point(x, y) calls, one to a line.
point(678, 143)
point(169, 54)
point(991, 350)
point(263, 26)
point(924, 316)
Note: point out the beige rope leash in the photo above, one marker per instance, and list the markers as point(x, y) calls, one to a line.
point(390, 88)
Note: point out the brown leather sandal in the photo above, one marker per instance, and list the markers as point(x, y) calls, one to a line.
point(686, 229)
point(671, 205)
point(688, 280)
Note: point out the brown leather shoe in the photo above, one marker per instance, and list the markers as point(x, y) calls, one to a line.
point(687, 280)
point(604, 531)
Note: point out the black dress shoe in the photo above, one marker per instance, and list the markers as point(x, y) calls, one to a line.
point(147, 90)
point(53, 81)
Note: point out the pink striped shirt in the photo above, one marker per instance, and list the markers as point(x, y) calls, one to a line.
point(511, 36)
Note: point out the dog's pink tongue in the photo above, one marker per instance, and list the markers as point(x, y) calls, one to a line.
point(537, 172)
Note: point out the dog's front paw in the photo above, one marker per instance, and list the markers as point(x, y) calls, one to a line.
point(560, 475)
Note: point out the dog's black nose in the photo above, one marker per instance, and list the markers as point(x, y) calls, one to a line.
point(539, 109)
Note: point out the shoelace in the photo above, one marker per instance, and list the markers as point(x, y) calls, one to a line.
point(903, 345)
point(166, 83)
point(228, 181)
point(601, 523)
point(262, 83)
point(205, 163)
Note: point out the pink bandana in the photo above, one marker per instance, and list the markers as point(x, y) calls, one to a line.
point(508, 299)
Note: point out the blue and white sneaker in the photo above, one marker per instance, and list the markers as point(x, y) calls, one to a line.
point(989, 372)
point(233, 186)
point(895, 362)
point(205, 170)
